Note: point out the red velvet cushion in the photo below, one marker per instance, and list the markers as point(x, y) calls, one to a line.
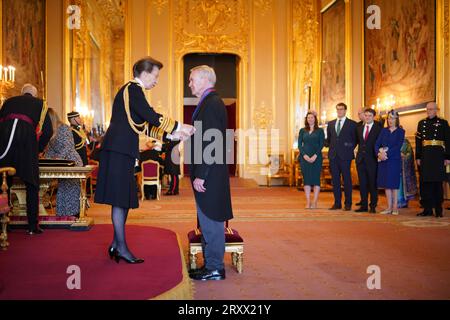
point(231, 236)
point(150, 169)
point(4, 206)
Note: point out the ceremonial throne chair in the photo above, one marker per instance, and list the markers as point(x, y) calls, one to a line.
point(150, 176)
point(5, 207)
point(278, 169)
point(234, 244)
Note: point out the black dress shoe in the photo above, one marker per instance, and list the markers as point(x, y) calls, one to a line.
point(424, 214)
point(362, 209)
point(347, 208)
point(168, 193)
point(373, 210)
point(36, 230)
point(439, 214)
point(335, 207)
point(358, 204)
point(209, 275)
point(118, 257)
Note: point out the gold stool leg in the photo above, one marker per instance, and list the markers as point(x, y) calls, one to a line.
point(239, 262)
point(4, 235)
point(5, 219)
point(234, 258)
point(193, 260)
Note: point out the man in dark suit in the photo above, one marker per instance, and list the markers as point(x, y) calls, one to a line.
point(361, 116)
point(25, 130)
point(366, 161)
point(209, 173)
point(341, 140)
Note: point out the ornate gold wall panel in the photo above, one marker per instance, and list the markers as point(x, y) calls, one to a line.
point(305, 61)
point(100, 21)
point(211, 26)
point(446, 26)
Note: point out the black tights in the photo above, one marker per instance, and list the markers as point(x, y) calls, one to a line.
point(119, 218)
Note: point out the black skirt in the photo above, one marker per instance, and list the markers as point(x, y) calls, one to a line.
point(116, 183)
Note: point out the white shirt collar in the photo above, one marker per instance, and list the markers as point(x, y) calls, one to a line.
point(140, 82)
point(370, 125)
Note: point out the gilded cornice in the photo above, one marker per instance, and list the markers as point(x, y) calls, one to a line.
point(113, 12)
point(159, 5)
point(211, 26)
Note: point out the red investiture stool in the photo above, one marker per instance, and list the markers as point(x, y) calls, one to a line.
point(233, 244)
point(4, 206)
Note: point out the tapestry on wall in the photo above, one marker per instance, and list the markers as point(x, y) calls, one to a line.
point(400, 57)
point(24, 41)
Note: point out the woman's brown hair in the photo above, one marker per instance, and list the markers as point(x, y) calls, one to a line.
point(316, 122)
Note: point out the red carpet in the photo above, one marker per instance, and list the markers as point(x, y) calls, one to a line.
point(35, 267)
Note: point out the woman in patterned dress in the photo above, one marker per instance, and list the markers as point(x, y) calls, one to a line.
point(62, 146)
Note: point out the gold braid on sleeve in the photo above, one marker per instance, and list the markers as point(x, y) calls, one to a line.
point(156, 133)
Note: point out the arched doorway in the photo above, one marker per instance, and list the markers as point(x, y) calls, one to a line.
point(226, 68)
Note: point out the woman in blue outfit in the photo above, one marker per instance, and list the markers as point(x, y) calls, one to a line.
point(388, 146)
point(310, 143)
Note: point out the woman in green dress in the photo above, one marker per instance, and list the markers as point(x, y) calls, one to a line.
point(310, 144)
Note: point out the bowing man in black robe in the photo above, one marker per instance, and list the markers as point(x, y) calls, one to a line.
point(209, 177)
point(131, 115)
point(25, 130)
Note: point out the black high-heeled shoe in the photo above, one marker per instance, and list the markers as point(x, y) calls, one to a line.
point(112, 252)
point(117, 257)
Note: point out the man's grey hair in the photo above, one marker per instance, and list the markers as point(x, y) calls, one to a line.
point(434, 104)
point(206, 72)
point(29, 88)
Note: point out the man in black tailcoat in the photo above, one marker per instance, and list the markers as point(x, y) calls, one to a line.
point(25, 130)
point(209, 172)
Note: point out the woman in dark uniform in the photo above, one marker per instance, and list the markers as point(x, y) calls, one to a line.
point(131, 115)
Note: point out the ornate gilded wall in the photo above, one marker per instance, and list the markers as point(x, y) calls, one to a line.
point(94, 59)
point(255, 31)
